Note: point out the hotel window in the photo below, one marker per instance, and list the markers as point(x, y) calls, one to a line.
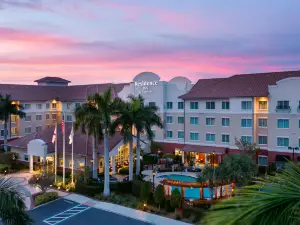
point(263, 105)
point(225, 122)
point(69, 118)
point(13, 118)
point(54, 105)
point(210, 121)
point(180, 105)
point(194, 105)
point(283, 105)
point(28, 118)
point(27, 130)
point(47, 116)
point(210, 137)
point(69, 105)
point(180, 134)
point(169, 134)
point(210, 105)
point(262, 140)
point(283, 123)
point(39, 106)
point(247, 139)
point(263, 160)
point(263, 122)
point(246, 105)
point(77, 104)
point(25, 157)
point(225, 138)
point(246, 123)
point(180, 119)
point(169, 105)
point(13, 131)
point(283, 142)
point(47, 105)
point(152, 104)
point(54, 116)
point(38, 129)
point(169, 119)
point(194, 136)
point(38, 117)
point(194, 120)
point(226, 105)
point(27, 106)
point(2, 133)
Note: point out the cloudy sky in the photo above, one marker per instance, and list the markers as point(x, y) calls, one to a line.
point(94, 41)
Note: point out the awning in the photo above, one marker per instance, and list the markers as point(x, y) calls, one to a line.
point(282, 158)
point(203, 149)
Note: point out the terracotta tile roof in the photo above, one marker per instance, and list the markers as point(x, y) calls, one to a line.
point(82, 144)
point(46, 93)
point(243, 85)
point(52, 80)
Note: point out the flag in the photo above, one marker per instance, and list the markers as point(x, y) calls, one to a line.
point(54, 136)
point(63, 126)
point(71, 136)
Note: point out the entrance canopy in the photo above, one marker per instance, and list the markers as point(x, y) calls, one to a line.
point(37, 147)
point(203, 149)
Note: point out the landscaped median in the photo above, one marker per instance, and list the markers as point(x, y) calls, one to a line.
point(45, 197)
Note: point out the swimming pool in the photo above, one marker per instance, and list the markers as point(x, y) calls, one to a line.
point(178, 177)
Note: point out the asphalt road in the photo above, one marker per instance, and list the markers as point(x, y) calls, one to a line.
point(65, 212)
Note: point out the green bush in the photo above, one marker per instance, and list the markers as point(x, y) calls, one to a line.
point(89, 190)
point(145, 191)
point(46, 197)
point(271, 168)
point(176, 198)
point(3, 168)
point(125, 170)
point(67, 174)
point(262, 170)
point(159, 195)
point(136, 187)
point(168, 206)
point(124, 187)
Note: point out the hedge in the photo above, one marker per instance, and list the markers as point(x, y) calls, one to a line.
point(46, 197)
point(136, 187)
point(3, 167)
point(125, 170)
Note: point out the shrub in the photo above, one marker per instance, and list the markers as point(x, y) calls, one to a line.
point(3, 168)
point(175, 198)
point(168, 206)
point(204, 204)
point(262, 170)
point(67, 173)
point(124, 170)
point(45, 197)
point(124, 187)
point(89, 190)
point(145, 191)
point(136, 187)
point(159, 195)
point(271, 168)
point(43, 181)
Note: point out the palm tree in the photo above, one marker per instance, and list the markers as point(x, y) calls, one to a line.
point(272, 200)
point(145, 117)
point(106, 106)
point(124, 123)
point(208, 174)
point(12, 207)
point(88, 119)
point(8, 108)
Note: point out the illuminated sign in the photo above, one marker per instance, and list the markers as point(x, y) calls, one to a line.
point(145, 83)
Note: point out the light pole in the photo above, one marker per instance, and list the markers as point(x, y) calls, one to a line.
point(153, 177)
point(294, 149)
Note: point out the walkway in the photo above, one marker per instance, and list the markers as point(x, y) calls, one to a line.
point(123, 211)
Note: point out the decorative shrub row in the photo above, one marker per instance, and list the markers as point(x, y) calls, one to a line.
point(46, 197)
point(3, 168)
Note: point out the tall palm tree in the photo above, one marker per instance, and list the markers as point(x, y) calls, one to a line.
point(106, 106)
point(145, 117)
point(12, 207)
point(8, 108)
point(88, 119)
point(273, 200)
point(124, 123)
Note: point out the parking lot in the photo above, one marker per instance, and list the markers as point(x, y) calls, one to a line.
point(66, 212)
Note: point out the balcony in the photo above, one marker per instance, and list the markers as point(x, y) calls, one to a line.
point(283, 108)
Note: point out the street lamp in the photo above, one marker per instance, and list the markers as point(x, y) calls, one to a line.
point(153, 176)
point(293, 148)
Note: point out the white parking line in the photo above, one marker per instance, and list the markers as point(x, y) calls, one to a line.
point(60, 217)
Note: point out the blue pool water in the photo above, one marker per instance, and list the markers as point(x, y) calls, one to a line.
point(178, 177)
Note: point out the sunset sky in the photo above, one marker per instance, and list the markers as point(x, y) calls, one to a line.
point(95, 41)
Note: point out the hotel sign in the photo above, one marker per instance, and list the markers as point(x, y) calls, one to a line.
point(145, 86)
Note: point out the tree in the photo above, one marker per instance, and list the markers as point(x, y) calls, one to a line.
point(8, 108)
point(145, 191)
point(106, 106)
point(12, 207)
point(43, 181)
point(145, 117)
point(239, 168)
point(159, 195)
point(272, 200)
point(176, 198)
point(88, 119)
point(248, 147)
point(208, 174)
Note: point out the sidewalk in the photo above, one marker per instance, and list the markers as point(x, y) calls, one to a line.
point(124, 211)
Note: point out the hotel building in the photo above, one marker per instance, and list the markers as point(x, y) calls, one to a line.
point(199, 119)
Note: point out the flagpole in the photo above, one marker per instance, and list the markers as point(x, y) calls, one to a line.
point(72, 153)
point(55, 157)
point(64, 148)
